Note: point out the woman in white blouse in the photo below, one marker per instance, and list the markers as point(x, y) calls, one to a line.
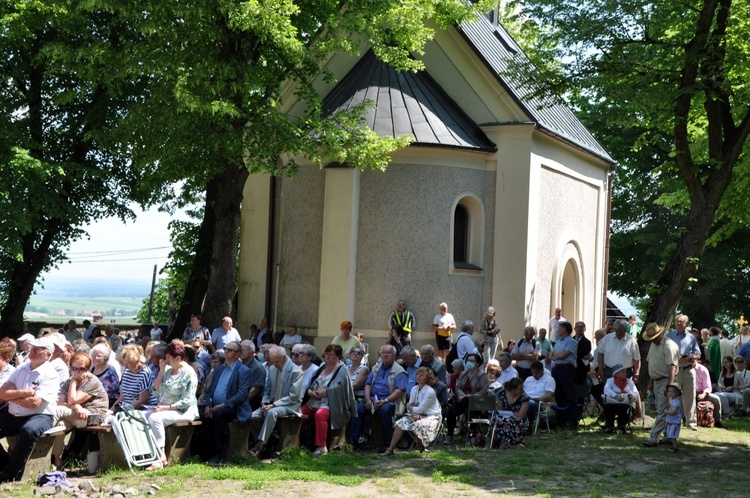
point(424, 412)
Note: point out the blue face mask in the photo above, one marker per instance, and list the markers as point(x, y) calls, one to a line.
point(348, 362)
point(261, 357)
point(470, 365)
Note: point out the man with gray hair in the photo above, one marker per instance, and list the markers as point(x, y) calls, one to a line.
point(281, 396)
point(689, 351)
point(257, 373)
point(618, 348)
point(464, 342)
point(526, 351)
point(427, 352)
point(384, 397)
point(411, 362)
point(507, 371)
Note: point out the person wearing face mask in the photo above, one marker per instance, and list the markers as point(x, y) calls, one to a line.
point(472, 382)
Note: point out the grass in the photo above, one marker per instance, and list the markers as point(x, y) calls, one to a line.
point(711, 462)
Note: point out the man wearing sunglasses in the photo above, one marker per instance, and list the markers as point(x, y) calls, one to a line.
point(31, 393)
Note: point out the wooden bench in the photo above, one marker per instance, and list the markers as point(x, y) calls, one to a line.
point(40, 459)
point(177, 445)
point(239, 437)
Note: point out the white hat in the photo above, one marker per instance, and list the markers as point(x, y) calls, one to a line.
point(26, 337)
point(43, 343)
point(58, 340)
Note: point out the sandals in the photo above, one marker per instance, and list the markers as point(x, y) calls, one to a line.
point(387, 453)
point(674, 449)
point(156, 466)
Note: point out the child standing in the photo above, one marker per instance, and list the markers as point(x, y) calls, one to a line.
point(674, 416)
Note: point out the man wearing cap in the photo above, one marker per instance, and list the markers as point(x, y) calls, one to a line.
point(662, 368)
point(490, 334)
point(56, 361)
point(31, 393)
point(24, 346)
point(619, 395)
point(689, 350)
point(404, 317)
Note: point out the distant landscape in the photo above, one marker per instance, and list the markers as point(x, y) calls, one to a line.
point(61, 300)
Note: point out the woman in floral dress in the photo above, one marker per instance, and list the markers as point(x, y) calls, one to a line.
point(510, 419)
point(175, 388)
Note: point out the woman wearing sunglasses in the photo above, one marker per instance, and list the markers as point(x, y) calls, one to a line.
point(81, 396)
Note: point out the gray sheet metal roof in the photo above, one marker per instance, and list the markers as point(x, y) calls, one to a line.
point(406, 104)
point(496, 47)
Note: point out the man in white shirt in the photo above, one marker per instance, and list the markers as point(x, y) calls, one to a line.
point(225, 334)
point(508, 372)
point(540, 387)
point(726, 344)
point(554, 323)
point(526, 351)
point(31, 393)
point(618, 348)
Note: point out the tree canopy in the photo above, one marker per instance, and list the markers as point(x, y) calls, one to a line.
point(59, 168)
point(664, 86)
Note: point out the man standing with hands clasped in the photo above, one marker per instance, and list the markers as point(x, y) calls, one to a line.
point(662, 368)
point(689, 351)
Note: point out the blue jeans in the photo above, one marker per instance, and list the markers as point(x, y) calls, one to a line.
point(384, 414)
point(28, 429)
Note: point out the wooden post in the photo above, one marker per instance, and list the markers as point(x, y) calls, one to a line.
point(151, 299)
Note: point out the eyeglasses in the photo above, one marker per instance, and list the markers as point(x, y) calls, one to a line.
point(739, 361)
point(356, 352)
point(78, 369)
point(294, 355)
point(232, 350)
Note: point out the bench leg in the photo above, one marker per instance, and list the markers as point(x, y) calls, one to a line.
point(239, 435)
point(110, 452)
point(177, 445)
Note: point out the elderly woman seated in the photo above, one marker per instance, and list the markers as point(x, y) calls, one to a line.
point(424, 413)
point(175, 388)
point(82, 397)
point(135, 386)
point(472, 382)
point(105, 372)
point(511, 422)
point(329, 398)
point(620, 395)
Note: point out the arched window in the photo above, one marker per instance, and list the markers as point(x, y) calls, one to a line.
point(468, 234)
point(460, 235)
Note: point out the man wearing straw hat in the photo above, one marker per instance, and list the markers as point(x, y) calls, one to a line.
point(662, 368)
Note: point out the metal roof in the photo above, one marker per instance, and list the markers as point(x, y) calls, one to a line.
point(406, 103)
point(496, 47)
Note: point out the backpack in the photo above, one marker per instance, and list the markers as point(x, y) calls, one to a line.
point(533, 343)
point(453, 354)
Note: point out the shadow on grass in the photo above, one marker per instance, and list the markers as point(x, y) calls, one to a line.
point(561, 463)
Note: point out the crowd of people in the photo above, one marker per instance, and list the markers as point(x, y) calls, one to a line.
point(402, 397)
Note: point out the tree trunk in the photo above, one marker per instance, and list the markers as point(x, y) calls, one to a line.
point(25, 275)
point(195, 290)
point(213, 283)
point(222, 275)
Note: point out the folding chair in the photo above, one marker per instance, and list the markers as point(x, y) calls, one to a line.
point(484, 404)
point(136, 439)
point(544, 408)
